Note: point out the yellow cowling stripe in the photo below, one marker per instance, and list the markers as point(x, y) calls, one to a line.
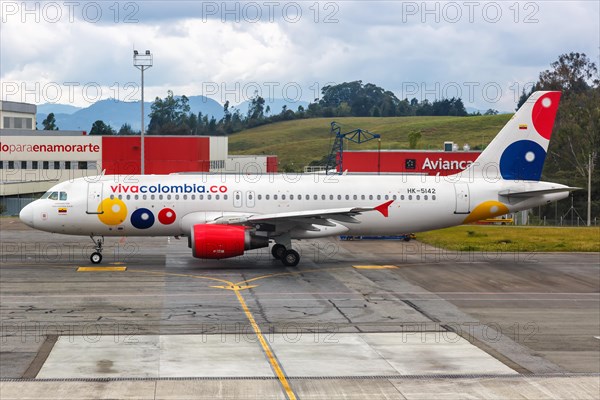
point(487, 209)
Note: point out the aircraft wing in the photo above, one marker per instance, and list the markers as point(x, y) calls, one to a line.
point(304, 218)
point(325, 213)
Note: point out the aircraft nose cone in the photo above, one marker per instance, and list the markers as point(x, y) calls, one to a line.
point(26, 215)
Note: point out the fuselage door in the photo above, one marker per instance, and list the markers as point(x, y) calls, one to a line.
point(463, 201)
point(237, 198)
point(94, 198)
point(250, 199)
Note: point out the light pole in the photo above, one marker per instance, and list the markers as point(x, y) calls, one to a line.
point(378, 156)
point(589, 197)
point(142, 62)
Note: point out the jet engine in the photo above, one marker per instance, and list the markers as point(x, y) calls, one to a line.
point(223, 241)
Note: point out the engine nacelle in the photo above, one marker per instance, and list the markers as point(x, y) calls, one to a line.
point(223, 241)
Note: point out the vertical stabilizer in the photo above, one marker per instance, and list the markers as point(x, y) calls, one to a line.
point(518, 152)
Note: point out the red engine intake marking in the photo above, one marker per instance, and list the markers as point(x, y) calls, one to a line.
point(218, 241)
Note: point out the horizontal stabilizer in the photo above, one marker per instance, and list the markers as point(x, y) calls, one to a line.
point(533, 193)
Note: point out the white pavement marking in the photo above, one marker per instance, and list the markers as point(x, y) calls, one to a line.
point(156, 356)
point(300, 355)
point(367, 354)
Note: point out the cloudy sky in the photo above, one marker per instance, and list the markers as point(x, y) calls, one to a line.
point(483, 51)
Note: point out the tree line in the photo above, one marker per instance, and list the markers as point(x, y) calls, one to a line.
point(172, 116)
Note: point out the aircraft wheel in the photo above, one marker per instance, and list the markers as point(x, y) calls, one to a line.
point(291, 258)
point(278, 251)
point(96, 258)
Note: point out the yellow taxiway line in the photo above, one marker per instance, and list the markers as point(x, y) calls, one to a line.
point(276, 367)
point(374, 266)
point(101, 269)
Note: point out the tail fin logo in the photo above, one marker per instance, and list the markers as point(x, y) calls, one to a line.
point(543, 113)
point(524, 159)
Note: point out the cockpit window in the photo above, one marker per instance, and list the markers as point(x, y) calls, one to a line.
point(55, 196)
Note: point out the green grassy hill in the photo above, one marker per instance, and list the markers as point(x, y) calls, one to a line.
point(299, 142)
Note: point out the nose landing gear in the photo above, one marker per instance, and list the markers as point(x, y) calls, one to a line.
point(96, 257)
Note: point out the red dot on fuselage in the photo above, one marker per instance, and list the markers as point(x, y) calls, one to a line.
point(166, 216)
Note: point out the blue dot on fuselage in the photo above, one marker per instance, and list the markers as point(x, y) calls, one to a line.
point(142, 218)
point(522, 160)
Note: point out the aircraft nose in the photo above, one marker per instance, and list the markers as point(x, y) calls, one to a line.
point(26, 215)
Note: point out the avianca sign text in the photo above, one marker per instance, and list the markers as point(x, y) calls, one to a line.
point(159, 188)
point(441, 164)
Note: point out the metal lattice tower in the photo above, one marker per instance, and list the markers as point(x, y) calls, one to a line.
point(335, 160)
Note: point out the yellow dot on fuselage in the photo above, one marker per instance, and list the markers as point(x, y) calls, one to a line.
point(487, 209)
point(112, 211)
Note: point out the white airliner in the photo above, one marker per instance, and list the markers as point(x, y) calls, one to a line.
point(225, 215)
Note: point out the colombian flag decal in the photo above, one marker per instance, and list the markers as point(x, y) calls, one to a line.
point(522, 126)
point(62, 210)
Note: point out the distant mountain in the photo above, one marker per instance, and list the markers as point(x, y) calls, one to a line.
point(275, 106)
point(472, 110)
point(57, 108)
point(115, 113)
point(208, 106)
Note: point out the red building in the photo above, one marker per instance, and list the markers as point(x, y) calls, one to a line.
point(121, 154)
point(409, 161)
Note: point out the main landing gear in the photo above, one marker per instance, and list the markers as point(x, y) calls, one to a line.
point(96, 257)
point(289, 257)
